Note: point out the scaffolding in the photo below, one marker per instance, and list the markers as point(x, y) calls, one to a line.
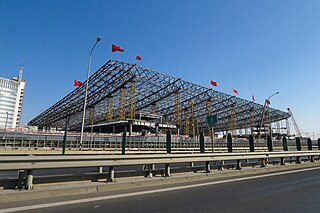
point(132, 104)
point(154, 89)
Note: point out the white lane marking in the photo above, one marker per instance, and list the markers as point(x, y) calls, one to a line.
point(108, 197)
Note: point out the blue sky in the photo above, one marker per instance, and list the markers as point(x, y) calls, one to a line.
point(256, 46)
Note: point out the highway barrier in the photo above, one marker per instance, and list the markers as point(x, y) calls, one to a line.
point(28, 164)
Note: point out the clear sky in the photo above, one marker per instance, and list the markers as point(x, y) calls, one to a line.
point(256, 46)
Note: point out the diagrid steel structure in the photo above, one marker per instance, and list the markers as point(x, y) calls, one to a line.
point(121, 91)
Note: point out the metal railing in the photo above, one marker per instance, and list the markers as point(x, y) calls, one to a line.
point(30, 163)
point(51, 141)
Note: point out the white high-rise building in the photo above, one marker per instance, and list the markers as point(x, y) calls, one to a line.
point(11, 99)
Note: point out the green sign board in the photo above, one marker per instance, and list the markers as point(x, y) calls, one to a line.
point(212, 120)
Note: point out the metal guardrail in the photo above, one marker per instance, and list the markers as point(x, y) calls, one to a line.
point(30, 163)
point(52, 141)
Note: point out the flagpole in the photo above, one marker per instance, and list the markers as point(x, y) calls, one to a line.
point(86, 92)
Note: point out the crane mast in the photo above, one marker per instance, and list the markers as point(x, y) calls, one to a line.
point(294, 123)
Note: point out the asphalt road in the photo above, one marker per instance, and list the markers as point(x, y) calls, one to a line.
point(291, 192)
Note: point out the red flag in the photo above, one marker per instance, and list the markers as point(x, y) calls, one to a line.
point(116, 48)
point(138, 58)
point(77, 83)
point(235, 91)
point(267, 101)
point(213, 83)
point(253, 98)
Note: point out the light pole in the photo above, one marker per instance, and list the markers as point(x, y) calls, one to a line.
point(264, 110)
point(269, 113)
point(86, 93)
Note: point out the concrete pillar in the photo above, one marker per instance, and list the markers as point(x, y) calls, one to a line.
point(29, 181)
point(282, 161)
point(167, 170)
point(207, 167)
point(238, 165)
point(111, 174)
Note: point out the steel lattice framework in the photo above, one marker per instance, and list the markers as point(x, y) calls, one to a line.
point(154, 92)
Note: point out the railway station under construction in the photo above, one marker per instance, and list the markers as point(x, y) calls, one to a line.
point(123, 95)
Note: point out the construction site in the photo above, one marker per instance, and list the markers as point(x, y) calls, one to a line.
point(123, 95)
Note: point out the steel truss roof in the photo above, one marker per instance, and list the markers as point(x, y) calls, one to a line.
point(152, 89)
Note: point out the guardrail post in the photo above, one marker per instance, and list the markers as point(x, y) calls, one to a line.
point(309, 144)
point(111, 174)
point(269, 144)
point(263, 162)
point(251, 143)
point(285, 143)
point(298, 144)
point(238, 165)
point(282, 161)
point(207, 167)
point(312, 158)
point(229, 142)
point(202, 149)
point(100, 169)
point(221, 163)
point(29, 181)
point(168, 141)
point(20, 179)
point(150, 175)
point(167, 170)
point(124, 140)
point(298, 161)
